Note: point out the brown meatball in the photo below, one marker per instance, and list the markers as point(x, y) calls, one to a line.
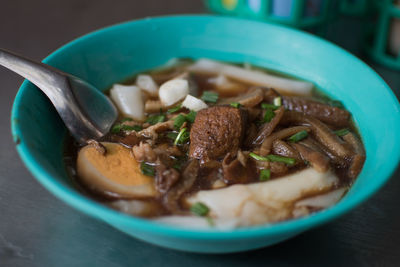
point(217, 131)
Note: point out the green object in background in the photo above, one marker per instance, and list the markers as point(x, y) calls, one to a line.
point(294, 13)
point(355, 7)
point(383, 42)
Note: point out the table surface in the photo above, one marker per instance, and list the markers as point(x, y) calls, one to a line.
point(37, 229)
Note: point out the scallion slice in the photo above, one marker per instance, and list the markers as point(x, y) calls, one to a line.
point(191, 116)
point(126, 119)
point(174, 109)
point(269, 106)
point(286, 160)
point(172, 135)
point(199, 209)
point(265, 174)
point(116, 128)
point(210, 97)
point(182, 137)
point(269, 114)
point(278, 101)
point(147, 169)
point(342, 132)
point(298, 136)
point(273, 158)
point(235, 105)
point(179, 121)
point(156, 119)
point(258, 157)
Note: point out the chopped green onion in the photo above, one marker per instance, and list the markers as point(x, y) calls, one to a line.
point(265, 175)
point(342, 132)
point(131, 128)
point(116, 128)
point(235, 104)
point(147, 169)
point(268, 106)
point(137, 128)
point(273, 158)
point(126, 119)
point(286, 160)
point(182, 137)
point(209, 96)
point(269, 114)
point(298, 136)
point(257, 157)
point(179, 121)
point(172, 135)
point(278, 101)
point(156, 119)
point(199, 209)
point(191, 116)
point(174, 109)
point(122, 127)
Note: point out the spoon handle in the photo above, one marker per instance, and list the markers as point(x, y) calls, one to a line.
point(43, 76)
point(63, 90)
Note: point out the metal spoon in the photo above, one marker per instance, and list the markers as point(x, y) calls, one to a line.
point(87, 113)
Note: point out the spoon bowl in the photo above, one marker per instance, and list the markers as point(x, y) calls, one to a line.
point(86, 112)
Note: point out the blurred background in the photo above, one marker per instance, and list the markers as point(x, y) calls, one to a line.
point(36, 229)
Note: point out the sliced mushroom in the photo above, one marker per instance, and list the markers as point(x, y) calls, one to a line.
point(266, 146)
point(153, 131)
point(115, 174)
point(357, 161)
point(171, 199)
point(322, 133)
point(325, 113)
point(319, 161)
point(250, 99)
point(268, 127)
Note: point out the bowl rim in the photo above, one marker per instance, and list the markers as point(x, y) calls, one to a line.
point(113, 217)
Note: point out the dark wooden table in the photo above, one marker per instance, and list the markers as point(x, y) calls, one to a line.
point(36, 229)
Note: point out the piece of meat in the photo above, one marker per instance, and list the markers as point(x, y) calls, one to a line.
point(171, 199)
point(144, 152)
point(235, 172)
point(314, 145)
point(270, 94)
point(250, 99)
point(321, 132)
point(165, 178)
point(282, 148)
point(357, 161)
point(278, 168)
point(130, 140)
point(217, 131)
point(325, 113)
point(153, 131)
point(266, 146)
point(268, 127)
point(318, 161)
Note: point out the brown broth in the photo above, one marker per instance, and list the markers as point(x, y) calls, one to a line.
point(160, 76)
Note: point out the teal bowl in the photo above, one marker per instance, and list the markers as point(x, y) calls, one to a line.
point(115, 53)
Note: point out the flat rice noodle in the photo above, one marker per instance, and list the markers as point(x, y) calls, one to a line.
point(264, 202)
point(207, 66)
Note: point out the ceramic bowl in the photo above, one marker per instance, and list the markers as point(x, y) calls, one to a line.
point(116, 53)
